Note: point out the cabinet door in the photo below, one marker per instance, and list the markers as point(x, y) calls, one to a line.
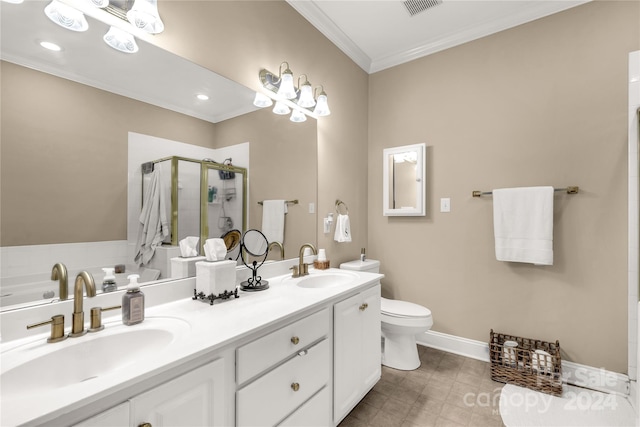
point(197, 398)
point(356, 349)
point(116, 416)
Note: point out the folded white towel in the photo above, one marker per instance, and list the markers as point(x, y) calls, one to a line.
point(523, 224)
point(273, 220)
point(343, 229)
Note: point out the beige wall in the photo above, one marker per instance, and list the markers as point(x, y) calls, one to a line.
point(541, 104)
point(282, 165)
point(64, 157)
point(238, 38)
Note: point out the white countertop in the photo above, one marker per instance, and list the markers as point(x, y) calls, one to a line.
point(211, 329)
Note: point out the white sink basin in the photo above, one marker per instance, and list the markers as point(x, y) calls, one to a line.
point(40, 366)
point(326, 280)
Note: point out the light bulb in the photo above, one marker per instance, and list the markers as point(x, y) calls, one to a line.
point(322, 107)
point(286, 89)
point(298, 116)
point(281, 108)
point(261, 100)
point(144, 15)
point(120, 40)
point(66, 16)
point(306, 96)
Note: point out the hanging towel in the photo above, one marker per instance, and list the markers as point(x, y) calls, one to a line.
point(273, 220)
point(154, 227)
point(523, 224)
point(343, 229)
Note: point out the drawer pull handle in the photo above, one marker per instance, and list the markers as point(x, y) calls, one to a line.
point(295, 386)
point(364, 306)
point(295, 340)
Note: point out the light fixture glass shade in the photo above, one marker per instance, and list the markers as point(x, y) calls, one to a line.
point(144, 15)
point(322, 107)
point(13, 1)
point(261, 100)
point(66, 16)
point(99, 3)
point(286, 89)
point(120, 40)
point(306, 96)
point(281, 108)
point(298, 116)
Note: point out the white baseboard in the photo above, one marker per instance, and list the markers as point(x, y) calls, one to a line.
point(572, 373)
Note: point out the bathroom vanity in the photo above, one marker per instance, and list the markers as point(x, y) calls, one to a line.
point(305, 351)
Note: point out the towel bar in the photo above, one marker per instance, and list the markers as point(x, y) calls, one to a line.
point(289, 202)
point(569, 190)
point(340, 202)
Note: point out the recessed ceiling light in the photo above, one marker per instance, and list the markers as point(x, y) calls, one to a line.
point(51, 46)
point(202, 97)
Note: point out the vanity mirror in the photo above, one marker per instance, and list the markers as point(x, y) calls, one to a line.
point(64, 172)
point(403, 174)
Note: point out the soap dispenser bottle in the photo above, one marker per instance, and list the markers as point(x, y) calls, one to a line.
point(133, 302)
point(109, 281)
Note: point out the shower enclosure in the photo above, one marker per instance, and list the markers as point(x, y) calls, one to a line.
point(207, 198)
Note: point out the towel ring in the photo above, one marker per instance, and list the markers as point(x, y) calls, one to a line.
point(340, 202)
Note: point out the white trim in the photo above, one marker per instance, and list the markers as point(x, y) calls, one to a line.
point(572, 373)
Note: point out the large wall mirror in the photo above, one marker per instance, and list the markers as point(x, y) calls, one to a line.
point(68, 119)
point(404, 181)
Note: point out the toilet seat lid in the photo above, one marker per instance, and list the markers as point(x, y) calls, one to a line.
point(397, 308)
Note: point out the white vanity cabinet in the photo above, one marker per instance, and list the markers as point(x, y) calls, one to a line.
point(357, 349)
point(197, 398)
point(283, 377)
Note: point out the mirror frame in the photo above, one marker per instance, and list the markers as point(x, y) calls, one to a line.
point(420, 185)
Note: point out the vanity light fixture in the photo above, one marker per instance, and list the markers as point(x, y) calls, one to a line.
point(144, 15)
point(279, 87)
point(120, 40)
point(66, 16)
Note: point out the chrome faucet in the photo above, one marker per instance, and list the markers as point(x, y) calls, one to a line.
point(302, 269)
point(279, 245)
point(59, 272)
point(77, 321)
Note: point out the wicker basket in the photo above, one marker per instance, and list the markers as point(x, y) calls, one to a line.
point(523, 366)
point(321, 265)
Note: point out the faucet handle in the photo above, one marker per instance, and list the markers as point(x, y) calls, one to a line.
point(295, 273)
point(57, 328)
point(96, 317)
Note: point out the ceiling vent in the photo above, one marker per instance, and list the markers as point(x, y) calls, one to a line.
point(416, 6)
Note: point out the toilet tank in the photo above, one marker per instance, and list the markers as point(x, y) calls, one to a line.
point(370, 265)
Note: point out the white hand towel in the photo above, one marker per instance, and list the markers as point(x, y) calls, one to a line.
point(343, 229)
point(523, 224)
point(273, 220)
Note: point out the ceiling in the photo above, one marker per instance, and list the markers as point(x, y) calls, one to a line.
point(380, 34)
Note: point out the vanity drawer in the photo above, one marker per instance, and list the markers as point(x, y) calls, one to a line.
point(259, 355)
point(315, 412)
point(273, 396)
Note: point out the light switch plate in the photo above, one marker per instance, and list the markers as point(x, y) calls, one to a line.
point(445, 205)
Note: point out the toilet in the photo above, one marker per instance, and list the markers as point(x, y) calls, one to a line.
point(401, 322)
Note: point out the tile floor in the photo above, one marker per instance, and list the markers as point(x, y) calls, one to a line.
point(447, 390)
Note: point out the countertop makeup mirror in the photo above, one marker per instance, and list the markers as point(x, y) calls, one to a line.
point(404, 181)
point(65, 181)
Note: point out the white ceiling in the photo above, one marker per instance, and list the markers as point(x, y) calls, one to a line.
point(380, 34)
